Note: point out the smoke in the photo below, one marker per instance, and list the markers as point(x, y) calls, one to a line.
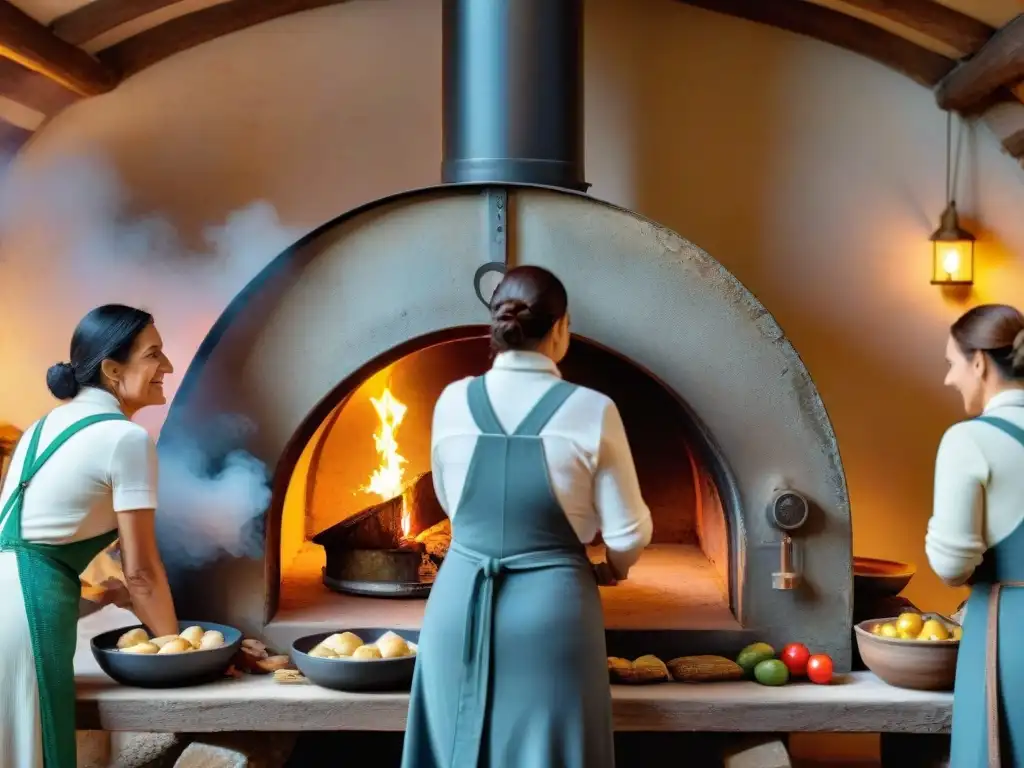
point(74, 215)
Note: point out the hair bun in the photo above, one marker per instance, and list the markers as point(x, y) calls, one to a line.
point(61, 381)
point(1017, 355)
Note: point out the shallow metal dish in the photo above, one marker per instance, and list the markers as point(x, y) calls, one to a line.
point(177, 670)
point(356, 674)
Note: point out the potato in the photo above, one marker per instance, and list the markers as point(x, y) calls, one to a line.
point(210, 640)
point(322, 652)
point(177, 645)
point(133, 637)
point(392, 646)
point(163, 640)
point(194, 635)
point(343, 644)
point(366, 652)
point(142, 648)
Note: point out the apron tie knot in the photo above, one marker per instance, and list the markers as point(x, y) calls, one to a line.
point(490, 568)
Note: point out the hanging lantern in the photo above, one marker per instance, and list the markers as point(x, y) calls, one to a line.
point(952, 251)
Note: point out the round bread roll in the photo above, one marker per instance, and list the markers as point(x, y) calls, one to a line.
point(393, 646)
point(367, 652)
point(163, 640)
point(343, 644)
point(133, 637)
point(210, 640)
point(194, 635)
point(321, 651)
point(177, 645)
point(143, 648)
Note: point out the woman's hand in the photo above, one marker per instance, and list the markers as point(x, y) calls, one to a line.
point(115, 593)
point(604, 574)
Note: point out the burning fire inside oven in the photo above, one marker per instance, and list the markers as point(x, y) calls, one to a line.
point(394, 547)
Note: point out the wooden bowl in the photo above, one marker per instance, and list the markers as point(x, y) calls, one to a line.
point(921, 665)
point(877, 578)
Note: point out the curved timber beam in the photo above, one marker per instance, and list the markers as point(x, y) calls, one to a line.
point(959, 31)
point(997, 65)
point(27, 42)
point(147, 48)
point(806, 18)
point(94, 18)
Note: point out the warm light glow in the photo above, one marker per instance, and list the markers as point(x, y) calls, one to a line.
point(386, 480)
point(953, 262)
point(950, 261)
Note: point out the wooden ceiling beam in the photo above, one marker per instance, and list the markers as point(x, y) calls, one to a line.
point(997, 65)
point(805, 18)
point(147, 48)
point(1014, 144)
point(26, 41)
point(940, 22)
point(99, 16)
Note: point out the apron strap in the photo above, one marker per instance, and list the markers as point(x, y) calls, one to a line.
point(546, 407)
point(32, 465)
point(481, 409)
point(1008, 427)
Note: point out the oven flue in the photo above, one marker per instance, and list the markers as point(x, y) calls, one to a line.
point(513, 92)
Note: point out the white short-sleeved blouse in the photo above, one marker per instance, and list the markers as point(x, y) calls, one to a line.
point(106, 468)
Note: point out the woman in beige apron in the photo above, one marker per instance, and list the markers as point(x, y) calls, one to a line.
point(80, 477)
point(976, 533)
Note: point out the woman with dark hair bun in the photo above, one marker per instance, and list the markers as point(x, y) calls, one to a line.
point(512, 669)
point(79, 478)
point(976, 535)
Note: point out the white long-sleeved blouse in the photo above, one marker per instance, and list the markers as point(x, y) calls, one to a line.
point(588, 457)
point(979, 490)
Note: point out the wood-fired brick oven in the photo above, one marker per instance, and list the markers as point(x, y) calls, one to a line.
point(736, 455)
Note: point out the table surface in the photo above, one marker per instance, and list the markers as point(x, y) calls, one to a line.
point(857, 702)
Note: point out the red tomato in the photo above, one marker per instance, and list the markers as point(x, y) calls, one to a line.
point(795, 656)
point(819, 669)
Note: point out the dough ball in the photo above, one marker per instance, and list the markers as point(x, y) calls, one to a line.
point(392, 646)
point(367, 652)
point(210, 640)
point(413, 648)
point(616, 664)
point(194, 635)
point(321, 651)
point(132, 637)
point(143, 648)
point(163, 640)
point(177, 645)
point(343, 644)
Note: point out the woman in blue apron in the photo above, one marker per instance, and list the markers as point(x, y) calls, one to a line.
point(80, 477)
point(976, 536)
point(512, 668)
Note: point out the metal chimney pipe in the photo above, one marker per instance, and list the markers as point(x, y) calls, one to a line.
point(513, 92)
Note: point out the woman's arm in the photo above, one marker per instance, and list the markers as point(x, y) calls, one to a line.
point(133, 474)
point(144, 572)
point(955, 542)
point(625, 519)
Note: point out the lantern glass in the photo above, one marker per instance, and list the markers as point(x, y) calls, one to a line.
point(953, 262)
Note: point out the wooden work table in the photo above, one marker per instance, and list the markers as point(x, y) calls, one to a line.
point(859, 702)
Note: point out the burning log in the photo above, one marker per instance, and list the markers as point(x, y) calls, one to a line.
point(392, 524)
point(380, 543)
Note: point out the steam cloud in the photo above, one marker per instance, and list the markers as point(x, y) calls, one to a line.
point(76, 211)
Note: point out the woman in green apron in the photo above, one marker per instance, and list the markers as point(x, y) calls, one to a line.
point(512, 668)
point(976, 536)
point(80, 477)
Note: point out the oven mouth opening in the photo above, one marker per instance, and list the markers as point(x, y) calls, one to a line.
point(341, 553)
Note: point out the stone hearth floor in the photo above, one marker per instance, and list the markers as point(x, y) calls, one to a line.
point(671, 587)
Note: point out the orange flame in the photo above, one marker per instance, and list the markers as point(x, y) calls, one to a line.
point(386, 480)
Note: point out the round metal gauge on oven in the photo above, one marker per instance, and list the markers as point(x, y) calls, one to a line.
point(789, 510)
